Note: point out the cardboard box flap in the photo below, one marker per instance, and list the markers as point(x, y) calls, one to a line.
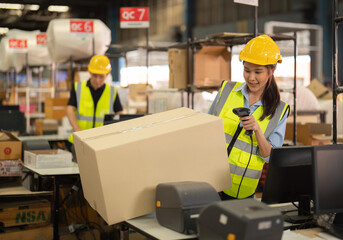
point(7, 136)
point(226, 34)
point(48, 152)
point(134, 125)
point(134, 130)
point(213, 50)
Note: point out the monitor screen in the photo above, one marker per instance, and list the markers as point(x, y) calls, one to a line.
point(12, 121)
point(328, 178)
point(289, 175)
point(9, 107)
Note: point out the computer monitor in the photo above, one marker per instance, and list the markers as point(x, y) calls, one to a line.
point(9, 107)
point(328, 182)
point(289, 179)
point(12, 121)
point(114, 118)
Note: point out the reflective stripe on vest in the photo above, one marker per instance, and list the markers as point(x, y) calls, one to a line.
point(240, 152)
point(85, 106)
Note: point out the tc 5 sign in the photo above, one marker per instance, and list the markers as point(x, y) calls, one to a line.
point(134, 17)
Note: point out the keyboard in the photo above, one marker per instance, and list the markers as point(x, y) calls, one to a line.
point(284, 207)
point(335, 230)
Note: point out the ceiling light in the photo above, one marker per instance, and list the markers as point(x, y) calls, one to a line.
point(32, 7)
point(3, 30)
point(11, 6)
point(55, 8)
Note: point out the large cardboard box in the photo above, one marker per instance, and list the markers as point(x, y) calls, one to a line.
point(55, 108)
point(121, 164)
point(55, 158)
point(212, 65)
point(177, 60)
point(10, 146)
point(311, 133)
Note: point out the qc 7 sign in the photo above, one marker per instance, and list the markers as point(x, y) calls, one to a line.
point(134, 17)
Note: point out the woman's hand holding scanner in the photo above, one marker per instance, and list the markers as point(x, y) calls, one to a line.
point(243, 113)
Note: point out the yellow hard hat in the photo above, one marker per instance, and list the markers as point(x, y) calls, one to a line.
point(261, 50)
point(99, 64)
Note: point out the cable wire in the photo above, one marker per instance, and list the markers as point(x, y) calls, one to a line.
point(246, 168)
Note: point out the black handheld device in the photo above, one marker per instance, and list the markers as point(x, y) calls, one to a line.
point(243, 112)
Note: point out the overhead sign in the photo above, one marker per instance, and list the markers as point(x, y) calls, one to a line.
point(14, 43)
point(81, 27)
point(42, 39)
point(134, 17)
point(247, 2)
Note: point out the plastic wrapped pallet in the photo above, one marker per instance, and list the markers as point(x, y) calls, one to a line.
point(73, 38)
point(5, 55)
point(19, 48)
point(37, 49)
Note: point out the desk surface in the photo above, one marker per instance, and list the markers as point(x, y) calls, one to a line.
point(44, 137)
point(148, 226)
point(73, 170)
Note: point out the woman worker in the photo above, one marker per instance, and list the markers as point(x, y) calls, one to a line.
point(267, 119)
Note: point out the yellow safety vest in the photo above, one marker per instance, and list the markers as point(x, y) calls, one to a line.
point(241, 149)
point(85, 106)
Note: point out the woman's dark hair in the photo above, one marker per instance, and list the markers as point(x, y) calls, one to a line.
point(270, 96)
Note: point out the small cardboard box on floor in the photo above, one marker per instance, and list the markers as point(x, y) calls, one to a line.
point(121, 164)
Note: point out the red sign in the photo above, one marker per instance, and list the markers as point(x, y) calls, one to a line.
point(42, 39)
point(17, 43)
point(134, 17)
point(81, 26)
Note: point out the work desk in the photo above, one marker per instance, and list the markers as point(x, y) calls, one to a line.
point(148, 226)
point(58, 174)
point(44, 137)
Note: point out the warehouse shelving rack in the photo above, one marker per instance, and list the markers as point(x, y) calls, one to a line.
point(28, 90)
point(336, 88)
point(122, 50)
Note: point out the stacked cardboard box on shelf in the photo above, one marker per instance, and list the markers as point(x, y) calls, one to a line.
point(10, 155)
point(23, 214)
point(18, 205)
point(212, 65)
point(55, 108)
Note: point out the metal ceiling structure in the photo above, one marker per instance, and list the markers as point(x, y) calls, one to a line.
point(26, 19)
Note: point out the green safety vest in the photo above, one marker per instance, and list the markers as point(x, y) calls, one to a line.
point(85, 106)
point(240, 152)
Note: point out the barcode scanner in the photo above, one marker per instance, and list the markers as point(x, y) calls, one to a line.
point(243, 112)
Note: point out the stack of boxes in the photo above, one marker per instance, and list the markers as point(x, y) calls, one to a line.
point(10, 155)
point(20, 209)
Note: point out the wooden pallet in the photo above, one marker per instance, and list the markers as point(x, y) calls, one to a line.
point(24, 212)
point(28, 233)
